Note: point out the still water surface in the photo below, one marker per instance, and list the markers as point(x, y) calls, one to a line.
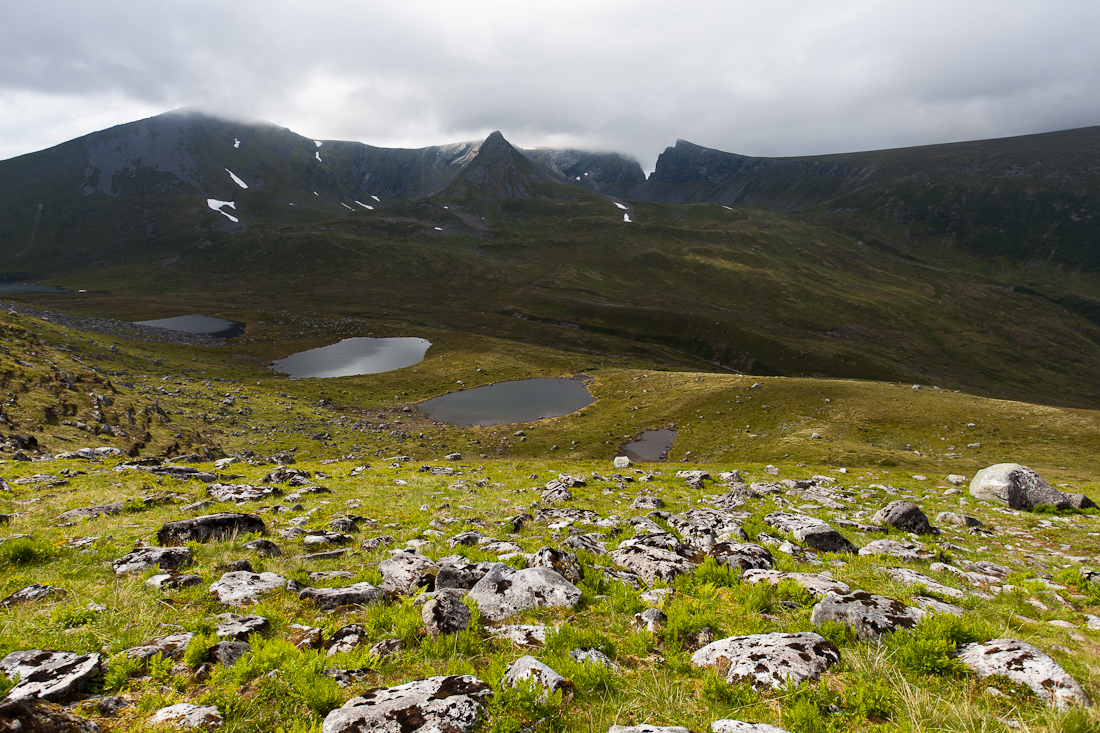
point(360, 355)
point(653, 445)
point(199, 324)
point(15, 288)
point(522, 400)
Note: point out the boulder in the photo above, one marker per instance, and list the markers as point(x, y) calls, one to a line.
point(815, 533)
point(357, 594)
point(452, 704)
point(744, 555)
point(769, 660)
point(738, 726)
point(376, 542)
point(321, 538)
point(529, 668)
point(241, 492)
point(909, 577)
point(818, 585)
point(168, 647)
point(226, 653)
point(173, 581)
point(909, 551)
point(91, 512)
point(621, 462)
point(407, 570)
point(959, 520)
point(868, 615)
point(241, 588)
point(904, 516)
point(593, 656)
point(651, 619)
point(239, 628)
point(445, 614)
point(504, 591)
point(533, 635)
point(48, 675)
point(555, 492)
point(1015, 486)
point(35, 592)
point(209, 527)
point(468, 538)
point(1023, 663)
point(1079, 501)
point(462, 576)
point(646, 503)
point(186, 715)
point(141, 559)
point(587, 542)
point(345, 639)
point(27, 716)
point(565, 563)
point(646, 728)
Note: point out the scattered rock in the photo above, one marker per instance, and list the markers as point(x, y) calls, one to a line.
point(818, 585)
point(904, 516)
point(868, 615)
point(407, 570)
point(737, 726)
point(641, 556)
point(239, 628)
point(1015, 486)
point(186, 715)
point(462, 576)
point(168, 647)
point(35, 592)
point(651, 619)
point(959, 520)
point(387, 647)
point(27, 716)
point(955, 479)
point(529, 668)
point(645, 728)
point(173, 581)
point(445, 614)
point(226, 653)
point(345, 639)
point(358, 594)
point(555, 492)
point(769, 660)
point(744, 555)
point(566, 563)
point(140, 560)
point(912, 577)
point(646, 503)
point(504, 591)
point(305, 637)
point(241, 492)
point(375, 543)
point(1023, 663)
point(909, 551)
point(242, 588)
point(48, 675)
point(452, 704)
point(815, 533)
point(533, 635)
point(91, 512)
point(209, 527)
point(593, 656)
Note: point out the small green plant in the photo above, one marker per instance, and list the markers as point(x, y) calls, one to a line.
point(717, 689)
point(132, 506)
point(25, 551)
point(7, 683)
point(523, 707)
point(120, 668)
point(198, 649)
point(839, 633)
point(870, 698)
point(930, 647)
point(713, 573)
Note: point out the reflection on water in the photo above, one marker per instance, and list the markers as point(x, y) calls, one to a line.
point(16, 288)
point(654, 445)
point(199, 324)
point(523, 400)
point(361, 355)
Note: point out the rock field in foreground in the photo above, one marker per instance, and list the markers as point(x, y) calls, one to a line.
point(494, 595)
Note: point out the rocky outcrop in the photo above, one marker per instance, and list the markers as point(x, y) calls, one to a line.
point(817, 584)
point(529, 668)
point(48, 675)
point(565, 563)
point(504, 591)
point(186, 715)
point(452, 704)
point(1023, 663)
point(870, 616)
point(815, 533)
point(444, 614)
point(241, 588)
point(141, 559)
point(27, 716)
point(209, 527)
point(1015, 486)
point(904, 516)
point(405, 571)
point(908, 551)
point(744, 555)
point(357, 594)
point(769, 660)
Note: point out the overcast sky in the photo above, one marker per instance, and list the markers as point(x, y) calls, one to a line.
point(759, 78)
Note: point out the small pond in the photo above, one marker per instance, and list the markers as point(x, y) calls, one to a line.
point(523, 400)
point(204, 325)
point(349, 357)
point(16, 288)
point(653, 445)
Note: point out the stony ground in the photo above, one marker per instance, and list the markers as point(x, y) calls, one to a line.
point(533, 595)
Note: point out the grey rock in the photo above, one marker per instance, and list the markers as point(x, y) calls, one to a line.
point(241, 588)
point(284, 475)
point(1015, 486)
point(452, 704)
point(387, 647)
point(1079, 501)
point(955, 479)
point(140, 560)
point(565, 563)
point(745, 555)
point(934, 606)
point(173, 581)
point(912, 577)
point(322, 575)
point(325, 555)
point(529, 668)
point(265, 547)
point(909, 551)
point(959, 520)
point(651, 619)
point(444, 614)
point(346, 677)
point(461, 576)
point(209, 527)
point(345, 639)
point(305, 637)
point(904, 516)
point(645, 503)
point(226, 653)
point(28, 716)
point(235, 566)
point(91, 512)
point(357, 594)
point(168, 647)
point(646, 728)
point(1023, 663)
point(109, 706)
point(405, 571)
point(988, 568)
point(319, 538)
point(593, 656)
point(533, 635)
point(466, 539)
point(48, 675)
point(376, 542)
point(870, 616)
point(815, 533)
point(345, 524)
point(35, 592)
point(657, 596)
point(738, 726)
point(770, 660)
point(239, 628)
point(818, 585)
point(587, 542)
point(241, 492)
point(504, 591)
point(186, 715)
point(555, 492)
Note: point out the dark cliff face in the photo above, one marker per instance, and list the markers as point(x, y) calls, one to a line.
point(499, 171)
point(610, 174)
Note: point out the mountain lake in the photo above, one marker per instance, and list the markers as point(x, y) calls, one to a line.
point(199, 324)
point(350, 357)
point(522, 400)
point(653, 445)
point(16, 288)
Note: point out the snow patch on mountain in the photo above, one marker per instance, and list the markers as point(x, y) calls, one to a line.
point(217, 206)
point(236, 180)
